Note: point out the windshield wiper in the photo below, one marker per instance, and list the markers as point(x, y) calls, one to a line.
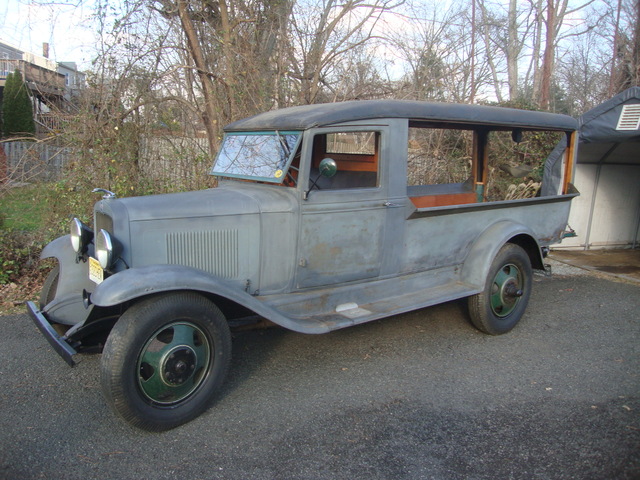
point(283, 142)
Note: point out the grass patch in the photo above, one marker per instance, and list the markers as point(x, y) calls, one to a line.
point(26, 218)
point(24, 208)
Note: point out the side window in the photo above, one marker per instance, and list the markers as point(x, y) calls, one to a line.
point(440, 169)
point(439, 156)
point(356, 156)
point(516, 162)
point(449, 166)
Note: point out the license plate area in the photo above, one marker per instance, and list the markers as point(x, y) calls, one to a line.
point(96, 273)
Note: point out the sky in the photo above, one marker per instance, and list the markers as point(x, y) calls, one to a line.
point(64, 24)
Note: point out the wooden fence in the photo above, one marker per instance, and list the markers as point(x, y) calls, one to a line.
point(34, 161)
point(176, 159)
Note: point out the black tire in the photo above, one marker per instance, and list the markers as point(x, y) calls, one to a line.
point(164, 360)
point(50, 287)
point(498, 308)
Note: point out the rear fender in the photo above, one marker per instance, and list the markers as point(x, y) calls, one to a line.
point(478, 262)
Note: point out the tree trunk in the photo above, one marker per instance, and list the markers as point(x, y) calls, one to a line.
point(472, 93)
point(228, 60)
point(613, 77)
point(197, 54)
point(636, 48)
point(513, 50)
point(548, 59)
point(535, 55)
point(489, 50)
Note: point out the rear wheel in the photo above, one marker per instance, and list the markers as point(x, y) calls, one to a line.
point(500, 306)
point(165, 359)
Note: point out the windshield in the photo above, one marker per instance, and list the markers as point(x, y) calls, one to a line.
point(262, 156)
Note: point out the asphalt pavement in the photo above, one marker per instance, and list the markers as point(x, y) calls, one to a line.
point(418, 396)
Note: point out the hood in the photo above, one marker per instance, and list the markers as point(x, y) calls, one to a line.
point(230, 198)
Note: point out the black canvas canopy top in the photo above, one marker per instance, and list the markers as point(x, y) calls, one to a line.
point(608, 134)
point(324, 114)
point(612, 131)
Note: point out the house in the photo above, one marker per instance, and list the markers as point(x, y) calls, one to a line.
point(52, 84)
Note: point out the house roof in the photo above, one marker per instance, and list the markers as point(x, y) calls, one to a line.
point(325, 114)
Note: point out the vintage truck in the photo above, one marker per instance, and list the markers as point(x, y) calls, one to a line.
point(326, 216)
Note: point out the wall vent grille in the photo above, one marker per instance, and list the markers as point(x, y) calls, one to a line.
point(629, 118)
point(215, 252)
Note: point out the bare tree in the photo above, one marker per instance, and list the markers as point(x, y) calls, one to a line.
point(625, 59)
point(324, 31)
point(233, 48)
point(442, 62)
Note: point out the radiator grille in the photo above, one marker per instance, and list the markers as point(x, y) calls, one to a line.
point(103, 221)
point(213, 251)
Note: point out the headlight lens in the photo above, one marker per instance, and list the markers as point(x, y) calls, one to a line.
point(81, 236)
point(104, 249)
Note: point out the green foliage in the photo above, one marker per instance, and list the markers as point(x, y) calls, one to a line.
point(19, 254)
point(17, 110)
point(22, 236)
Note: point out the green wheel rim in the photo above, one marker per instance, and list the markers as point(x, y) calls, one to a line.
point(506, 290)
point(174, 363)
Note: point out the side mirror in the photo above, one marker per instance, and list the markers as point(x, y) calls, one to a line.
point(328, 167)
point(516, 135)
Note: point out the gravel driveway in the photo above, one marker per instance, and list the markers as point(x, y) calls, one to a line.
point(417, 396)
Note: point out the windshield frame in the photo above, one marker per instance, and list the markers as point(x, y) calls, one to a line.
point(279, 169)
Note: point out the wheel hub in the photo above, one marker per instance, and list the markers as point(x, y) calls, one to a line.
point(178, 365)
point(506, 290)
point(174, 363)
point(510, 291)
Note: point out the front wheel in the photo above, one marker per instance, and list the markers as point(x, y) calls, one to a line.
point(164, 360)
point(499, 307)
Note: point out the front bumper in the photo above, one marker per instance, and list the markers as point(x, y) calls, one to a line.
point(58, 343)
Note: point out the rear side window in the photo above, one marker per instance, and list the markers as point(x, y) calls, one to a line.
point(516, 163)
point(455, 166)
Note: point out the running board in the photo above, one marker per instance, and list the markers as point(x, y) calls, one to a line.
point(346, 315)
point(321, 310)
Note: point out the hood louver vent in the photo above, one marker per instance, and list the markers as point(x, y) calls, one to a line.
point(215, 252)
point(629, 118)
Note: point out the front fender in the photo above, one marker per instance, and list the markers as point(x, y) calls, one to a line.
point(139, 282)
point(478, 261)
point(74, 273)
point(67, 307)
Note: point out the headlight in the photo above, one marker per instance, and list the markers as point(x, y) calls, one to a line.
point(104, 249)
point(81, 236)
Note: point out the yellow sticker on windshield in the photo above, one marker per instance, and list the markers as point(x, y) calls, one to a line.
point(278, 174)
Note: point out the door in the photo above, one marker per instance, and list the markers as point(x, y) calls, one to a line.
point(342, 228)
